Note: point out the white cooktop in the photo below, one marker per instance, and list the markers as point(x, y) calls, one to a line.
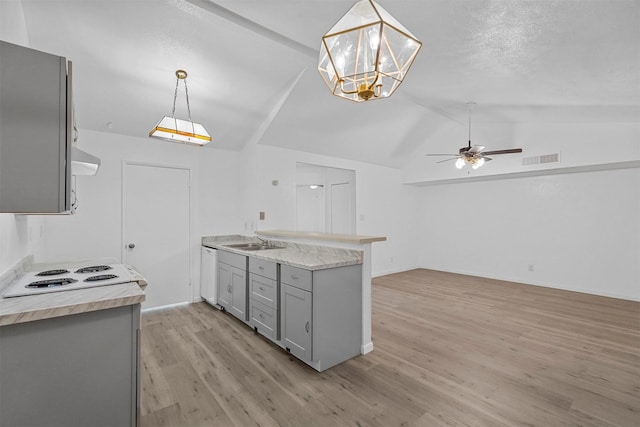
point(67, 279)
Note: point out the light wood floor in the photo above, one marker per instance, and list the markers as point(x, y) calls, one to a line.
point(449, 350)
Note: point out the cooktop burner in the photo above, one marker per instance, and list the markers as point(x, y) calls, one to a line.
point(51, 283)
point(52, 272)
point(100, 277)
point(94, 269)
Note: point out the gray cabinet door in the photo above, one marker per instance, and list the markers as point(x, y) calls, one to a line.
point(224, 285)
point(296, 321)
point(35, 131)
point(76, 370)
point(239, 293)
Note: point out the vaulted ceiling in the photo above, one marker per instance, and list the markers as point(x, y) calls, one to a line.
point(253, 78)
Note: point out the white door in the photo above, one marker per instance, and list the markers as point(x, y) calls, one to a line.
point(156, 230)
point(341, 208)
point(310, 207)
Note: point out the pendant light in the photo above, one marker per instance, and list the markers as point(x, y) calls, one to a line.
point(178, 130)
point(366, 54)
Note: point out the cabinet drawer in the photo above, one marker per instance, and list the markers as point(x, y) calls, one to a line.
point(296, 277)
point(263, 318)
point(235, 260)
point(263, 290)
point(263, 268)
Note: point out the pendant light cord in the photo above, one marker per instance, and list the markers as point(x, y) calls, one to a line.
point(186, 91)
point(175, 96)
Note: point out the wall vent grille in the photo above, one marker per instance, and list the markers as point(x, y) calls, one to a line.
point(545, 158)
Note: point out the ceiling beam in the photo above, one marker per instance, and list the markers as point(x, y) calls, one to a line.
point(257, 135)
point(250, 25)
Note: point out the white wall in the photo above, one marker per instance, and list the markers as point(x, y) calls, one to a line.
point(95, 231)
point(20, 235)
point(579, 231)
point(384, 207)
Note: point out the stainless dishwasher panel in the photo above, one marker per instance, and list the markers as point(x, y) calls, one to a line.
point(208, 282)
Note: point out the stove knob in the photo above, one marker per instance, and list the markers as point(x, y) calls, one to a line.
point(131, 245)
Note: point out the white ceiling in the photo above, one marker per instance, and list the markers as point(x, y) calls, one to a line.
point(252, 75)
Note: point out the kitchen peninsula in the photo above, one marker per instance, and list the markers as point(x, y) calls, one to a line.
point(309, 293)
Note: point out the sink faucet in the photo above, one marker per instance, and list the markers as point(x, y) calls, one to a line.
point(262, 240)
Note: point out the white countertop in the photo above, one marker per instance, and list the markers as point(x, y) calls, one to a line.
point(328, 237)
point(56, 304)
point(308, 257)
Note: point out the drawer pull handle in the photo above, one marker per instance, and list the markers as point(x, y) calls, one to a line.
point(306, 326)
point(261, 288)
point(294, 277)
point(261, 267)
point(229, 288)
point(261, 315)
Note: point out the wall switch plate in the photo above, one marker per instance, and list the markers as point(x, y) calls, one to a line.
point(261, 215)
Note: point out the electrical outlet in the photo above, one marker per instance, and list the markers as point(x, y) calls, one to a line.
point(261, 215)
point(531, 268)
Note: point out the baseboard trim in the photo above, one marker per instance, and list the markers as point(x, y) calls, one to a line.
point(366, 348)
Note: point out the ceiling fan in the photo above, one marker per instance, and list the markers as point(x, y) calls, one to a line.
point(474, 155)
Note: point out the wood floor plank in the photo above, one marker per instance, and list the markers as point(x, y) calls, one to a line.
point(170, 416)
point(450, 350)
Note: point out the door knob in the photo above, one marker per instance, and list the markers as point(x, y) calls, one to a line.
point(131, 245)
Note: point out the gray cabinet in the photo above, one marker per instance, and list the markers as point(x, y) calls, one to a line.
point(76, 370)
point(224, 285)
point(296, 321)
point(35, 131)
point(315, 315)
point(263, 297)
point(232, 284)
point(321, 314)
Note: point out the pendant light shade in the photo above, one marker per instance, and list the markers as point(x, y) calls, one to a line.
point(366, 54)
point(178, 130)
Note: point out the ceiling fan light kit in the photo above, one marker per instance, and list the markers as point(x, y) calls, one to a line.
point(178, 130)
point(475, 156)
point(366, 54)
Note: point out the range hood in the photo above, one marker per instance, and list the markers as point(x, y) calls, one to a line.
point(83, 163)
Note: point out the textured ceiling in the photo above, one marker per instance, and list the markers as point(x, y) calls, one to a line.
point(252, 75)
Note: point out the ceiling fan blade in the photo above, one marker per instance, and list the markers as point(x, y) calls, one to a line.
point(476, 149)
point(508, 151)
point(440, 154)
point(447, 160)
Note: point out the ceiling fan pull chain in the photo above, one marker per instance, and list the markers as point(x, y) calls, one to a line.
point(469, 126)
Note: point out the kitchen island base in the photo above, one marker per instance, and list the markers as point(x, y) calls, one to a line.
point(75, 370)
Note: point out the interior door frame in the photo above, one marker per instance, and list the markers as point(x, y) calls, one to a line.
point(123, 249)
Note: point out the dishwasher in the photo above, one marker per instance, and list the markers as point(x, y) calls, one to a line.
point(208, 279)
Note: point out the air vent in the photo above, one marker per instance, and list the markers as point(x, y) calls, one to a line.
point(545, 158)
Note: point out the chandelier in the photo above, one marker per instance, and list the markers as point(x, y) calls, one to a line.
point(366, 54)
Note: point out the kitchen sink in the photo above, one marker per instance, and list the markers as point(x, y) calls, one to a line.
point(253, 246)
